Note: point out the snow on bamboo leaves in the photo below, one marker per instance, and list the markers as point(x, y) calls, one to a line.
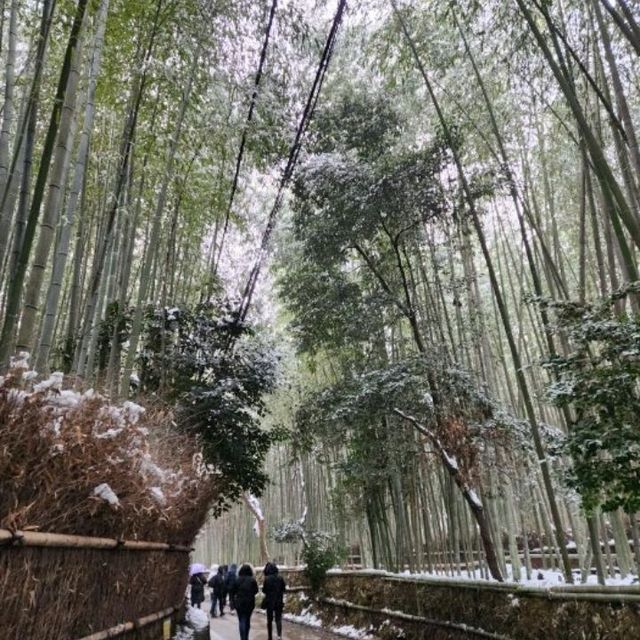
point(598, 380)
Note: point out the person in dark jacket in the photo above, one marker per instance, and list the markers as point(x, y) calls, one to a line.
point(225, 570)
point(218, 592)
point(229, 580)
point(197, 582)
point(243, 596)
point(273, 588)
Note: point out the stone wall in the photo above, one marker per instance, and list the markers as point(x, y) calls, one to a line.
point(437, 609)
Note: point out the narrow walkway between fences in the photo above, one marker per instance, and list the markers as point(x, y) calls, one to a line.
point(226, 628)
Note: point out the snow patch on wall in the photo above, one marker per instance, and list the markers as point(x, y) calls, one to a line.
point(304, 617)
point(349, 631)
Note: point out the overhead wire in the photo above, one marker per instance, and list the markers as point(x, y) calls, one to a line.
point(287, 173)
point(243, 140)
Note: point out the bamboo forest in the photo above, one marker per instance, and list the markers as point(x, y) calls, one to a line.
point(351, 288)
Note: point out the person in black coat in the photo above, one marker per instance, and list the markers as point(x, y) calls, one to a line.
point(197, 582)
point(273, 588)
point(225, 570)
point(229, 580)
point(243, 597)
point(218, 592)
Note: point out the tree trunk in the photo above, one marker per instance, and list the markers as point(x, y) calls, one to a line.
point(469, 495)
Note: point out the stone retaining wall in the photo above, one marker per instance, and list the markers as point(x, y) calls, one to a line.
point(438, 609)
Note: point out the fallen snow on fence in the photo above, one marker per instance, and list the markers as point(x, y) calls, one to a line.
point(542, 578)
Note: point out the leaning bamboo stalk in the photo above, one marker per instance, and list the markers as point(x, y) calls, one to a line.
point(470, 496)
point(124, 627)
point(65, 541)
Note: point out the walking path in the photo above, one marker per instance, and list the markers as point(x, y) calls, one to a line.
point(226, 628)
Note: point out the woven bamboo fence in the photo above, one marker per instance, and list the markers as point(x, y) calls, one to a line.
point(64, 587)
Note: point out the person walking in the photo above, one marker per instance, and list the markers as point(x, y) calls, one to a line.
point(218, 593)
point(197, 582)
point(273, 588)
point(243, 596)
point(229, 580)
point(225, 570)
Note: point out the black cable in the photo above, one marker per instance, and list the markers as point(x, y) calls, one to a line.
point(243, 141)
point(294, 152)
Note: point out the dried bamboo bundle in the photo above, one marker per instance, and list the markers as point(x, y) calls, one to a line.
point(75, 463)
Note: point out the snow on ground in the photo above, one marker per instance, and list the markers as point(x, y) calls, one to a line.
point(183, 633)
point(197, 618)
point(304, 617)
point(550, 578)
point(310, 619)
point(349, 631)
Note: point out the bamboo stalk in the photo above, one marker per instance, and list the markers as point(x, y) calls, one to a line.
point(124, 627)
point(61, 540)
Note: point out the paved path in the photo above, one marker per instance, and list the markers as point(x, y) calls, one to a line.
point(226, 627)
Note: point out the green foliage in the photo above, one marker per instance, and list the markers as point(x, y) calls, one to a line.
point(218, 371)
point(329, 309)
point(358, 413)
point(321, 551)
point(116, 323)
point(359, 201)
point(598, 380)
point(357, 120)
